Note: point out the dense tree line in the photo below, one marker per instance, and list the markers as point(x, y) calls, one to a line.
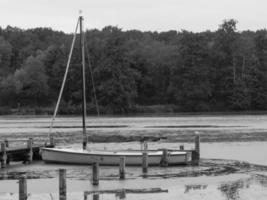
point(221, 70)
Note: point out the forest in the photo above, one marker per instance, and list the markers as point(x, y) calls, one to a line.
point(135, 71)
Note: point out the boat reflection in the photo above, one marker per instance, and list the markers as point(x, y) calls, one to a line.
point(96, 196)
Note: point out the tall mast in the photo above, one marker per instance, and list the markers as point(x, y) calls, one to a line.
point(83, 82)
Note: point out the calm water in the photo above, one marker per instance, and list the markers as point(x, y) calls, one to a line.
point(241, 138)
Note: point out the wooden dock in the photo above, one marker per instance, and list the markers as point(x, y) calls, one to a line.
point(28, 151)
point(25, 152)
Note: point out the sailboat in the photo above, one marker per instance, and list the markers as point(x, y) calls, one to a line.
point(86, 156)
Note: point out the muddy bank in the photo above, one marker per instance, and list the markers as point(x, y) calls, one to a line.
point(178, 136)
point(207, 167)
point(127, 129)
point(103, 136)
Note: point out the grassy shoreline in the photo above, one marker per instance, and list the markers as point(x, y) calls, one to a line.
point(155, 110)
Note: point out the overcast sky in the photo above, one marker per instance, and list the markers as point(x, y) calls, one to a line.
point(154, 15)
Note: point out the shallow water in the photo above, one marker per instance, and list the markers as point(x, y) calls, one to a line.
point(230, 187)
point(227, 138)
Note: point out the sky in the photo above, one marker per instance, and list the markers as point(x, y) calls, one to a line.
point(144, 15)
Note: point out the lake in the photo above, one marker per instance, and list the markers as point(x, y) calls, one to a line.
point(233, 166)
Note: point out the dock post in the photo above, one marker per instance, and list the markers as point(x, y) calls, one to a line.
point(196, 152)
point(197, 145)
point(62, 184)
point(95, 176)
point(23, 188)
point(145, 158)
point(3, 157)
point(145, 162)
point(164, 159)
point(30, 151)
point(122, 168)
point(7, 158)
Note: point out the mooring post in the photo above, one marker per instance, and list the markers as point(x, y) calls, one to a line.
point(196, 152)
point(95, 176)
point(164, 159)
point(197, 145)
point(30, 151)
point(23, 188)
point(145, 162)
point(145, 158)
point(122, 168)
point(62, 184)
point(3, 157)
point(7, 158)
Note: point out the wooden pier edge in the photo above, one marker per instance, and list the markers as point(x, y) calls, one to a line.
point(25, 153)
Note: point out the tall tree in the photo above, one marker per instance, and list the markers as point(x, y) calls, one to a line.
point(224, 63)
point(190, 83)
point(116, 84)
point(5, 57)
point(32, 80)
point(259, 72)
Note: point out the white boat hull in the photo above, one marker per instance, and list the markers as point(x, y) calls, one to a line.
point(70, 156)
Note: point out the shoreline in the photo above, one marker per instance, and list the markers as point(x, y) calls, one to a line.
point(152, 114)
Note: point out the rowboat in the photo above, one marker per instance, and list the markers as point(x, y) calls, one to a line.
point(85, 156)
point(132, 158)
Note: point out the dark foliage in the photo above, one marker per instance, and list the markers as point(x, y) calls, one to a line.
point(209, 71)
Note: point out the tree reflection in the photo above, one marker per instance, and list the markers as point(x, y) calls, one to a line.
point(231, 190)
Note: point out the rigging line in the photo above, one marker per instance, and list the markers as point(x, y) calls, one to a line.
point(92, 77)
point(64, 79)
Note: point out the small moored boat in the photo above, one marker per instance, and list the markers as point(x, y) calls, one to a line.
point(85, 156)
point(70, 156)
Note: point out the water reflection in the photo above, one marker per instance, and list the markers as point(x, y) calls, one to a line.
point(232, 190)
point(213, 179)
point(96, 196)
point(261, 179)
point(188, 188)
